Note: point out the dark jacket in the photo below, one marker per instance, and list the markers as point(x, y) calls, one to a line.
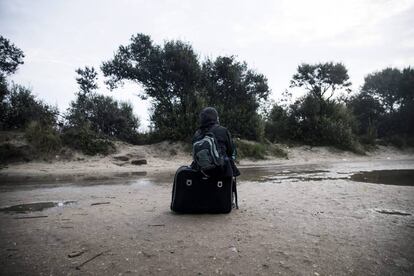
point(226, 146)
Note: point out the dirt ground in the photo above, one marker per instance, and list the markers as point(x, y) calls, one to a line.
point(294, 219)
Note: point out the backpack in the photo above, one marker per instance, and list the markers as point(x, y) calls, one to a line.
point(206, 153)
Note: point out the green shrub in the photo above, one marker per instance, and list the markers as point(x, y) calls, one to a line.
point(84, 139)
point(12, 153)
point(20, 107)
point(275, 150)
point(255, 150)
point(277, 125)
point(44, 138)
point(105, 116)
point(370, 137)
point(248, 149)
point(318, 122)
point(397, 140)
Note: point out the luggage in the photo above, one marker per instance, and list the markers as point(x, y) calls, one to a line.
point(193, 192)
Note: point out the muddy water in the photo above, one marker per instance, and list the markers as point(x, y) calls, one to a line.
point(389, 177)
point(293, 220)
point(35, 207)
point(399, 177)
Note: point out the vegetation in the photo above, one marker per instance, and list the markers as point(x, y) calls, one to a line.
point(20, 107)
point(179, 85)
point(257, 150)
point(170, 75)
point(385, 106)
point(237, 93)
point(317, 118)
point(11, 153)
point(83, 138)
point(43, 137)
point(10, 57)
point(103, 115)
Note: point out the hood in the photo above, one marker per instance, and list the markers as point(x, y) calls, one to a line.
point(208, 116)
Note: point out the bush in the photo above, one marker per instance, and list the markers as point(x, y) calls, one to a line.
point(248, 149)
point(276, 151)
point(370, 137)
point(21, 107)
point(85, 139)
point(255, 150)
point(397, 140)
point(13, 153)
point(43, 138)
point(277, 125)
point(105, 116)
point(324, 123)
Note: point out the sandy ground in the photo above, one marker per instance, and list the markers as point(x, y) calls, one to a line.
point(303, 218)
point(159, 157)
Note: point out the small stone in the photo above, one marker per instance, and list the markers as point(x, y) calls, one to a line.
point(139, 162)
point(121, 157)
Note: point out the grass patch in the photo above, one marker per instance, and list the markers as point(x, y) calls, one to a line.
point(276, 151)
point(87, 141)
point(43, 138)
point(256, 150)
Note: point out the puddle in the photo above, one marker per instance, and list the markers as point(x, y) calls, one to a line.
point(388, 177)
point(35, 207)
point(305, 179)
point(271, 173)
point(266, 174)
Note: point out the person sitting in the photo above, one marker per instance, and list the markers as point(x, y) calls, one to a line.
point(209, 123)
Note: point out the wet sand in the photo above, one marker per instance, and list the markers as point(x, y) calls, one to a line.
point(309, 219)
point(164, 158)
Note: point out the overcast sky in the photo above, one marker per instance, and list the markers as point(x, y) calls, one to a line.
point(273, 37)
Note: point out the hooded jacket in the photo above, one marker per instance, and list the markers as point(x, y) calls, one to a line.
point(209, 121)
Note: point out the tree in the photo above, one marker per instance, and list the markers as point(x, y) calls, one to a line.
point(369, 112)
point(322, 79)
point(3, 93)
point(170, 75)
point(102, 114)
point(407, 100)
point(393, 91)
point(87, 79)
point(10, 57)
point(385, 87)
point(237, 92)
point(22, 107)
point(318, 117)
point(279, 125)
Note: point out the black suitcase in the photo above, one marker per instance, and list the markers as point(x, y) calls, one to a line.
point(194, 193)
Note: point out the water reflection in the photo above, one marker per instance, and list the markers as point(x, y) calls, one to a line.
point(388, 177)
point(35, 207)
